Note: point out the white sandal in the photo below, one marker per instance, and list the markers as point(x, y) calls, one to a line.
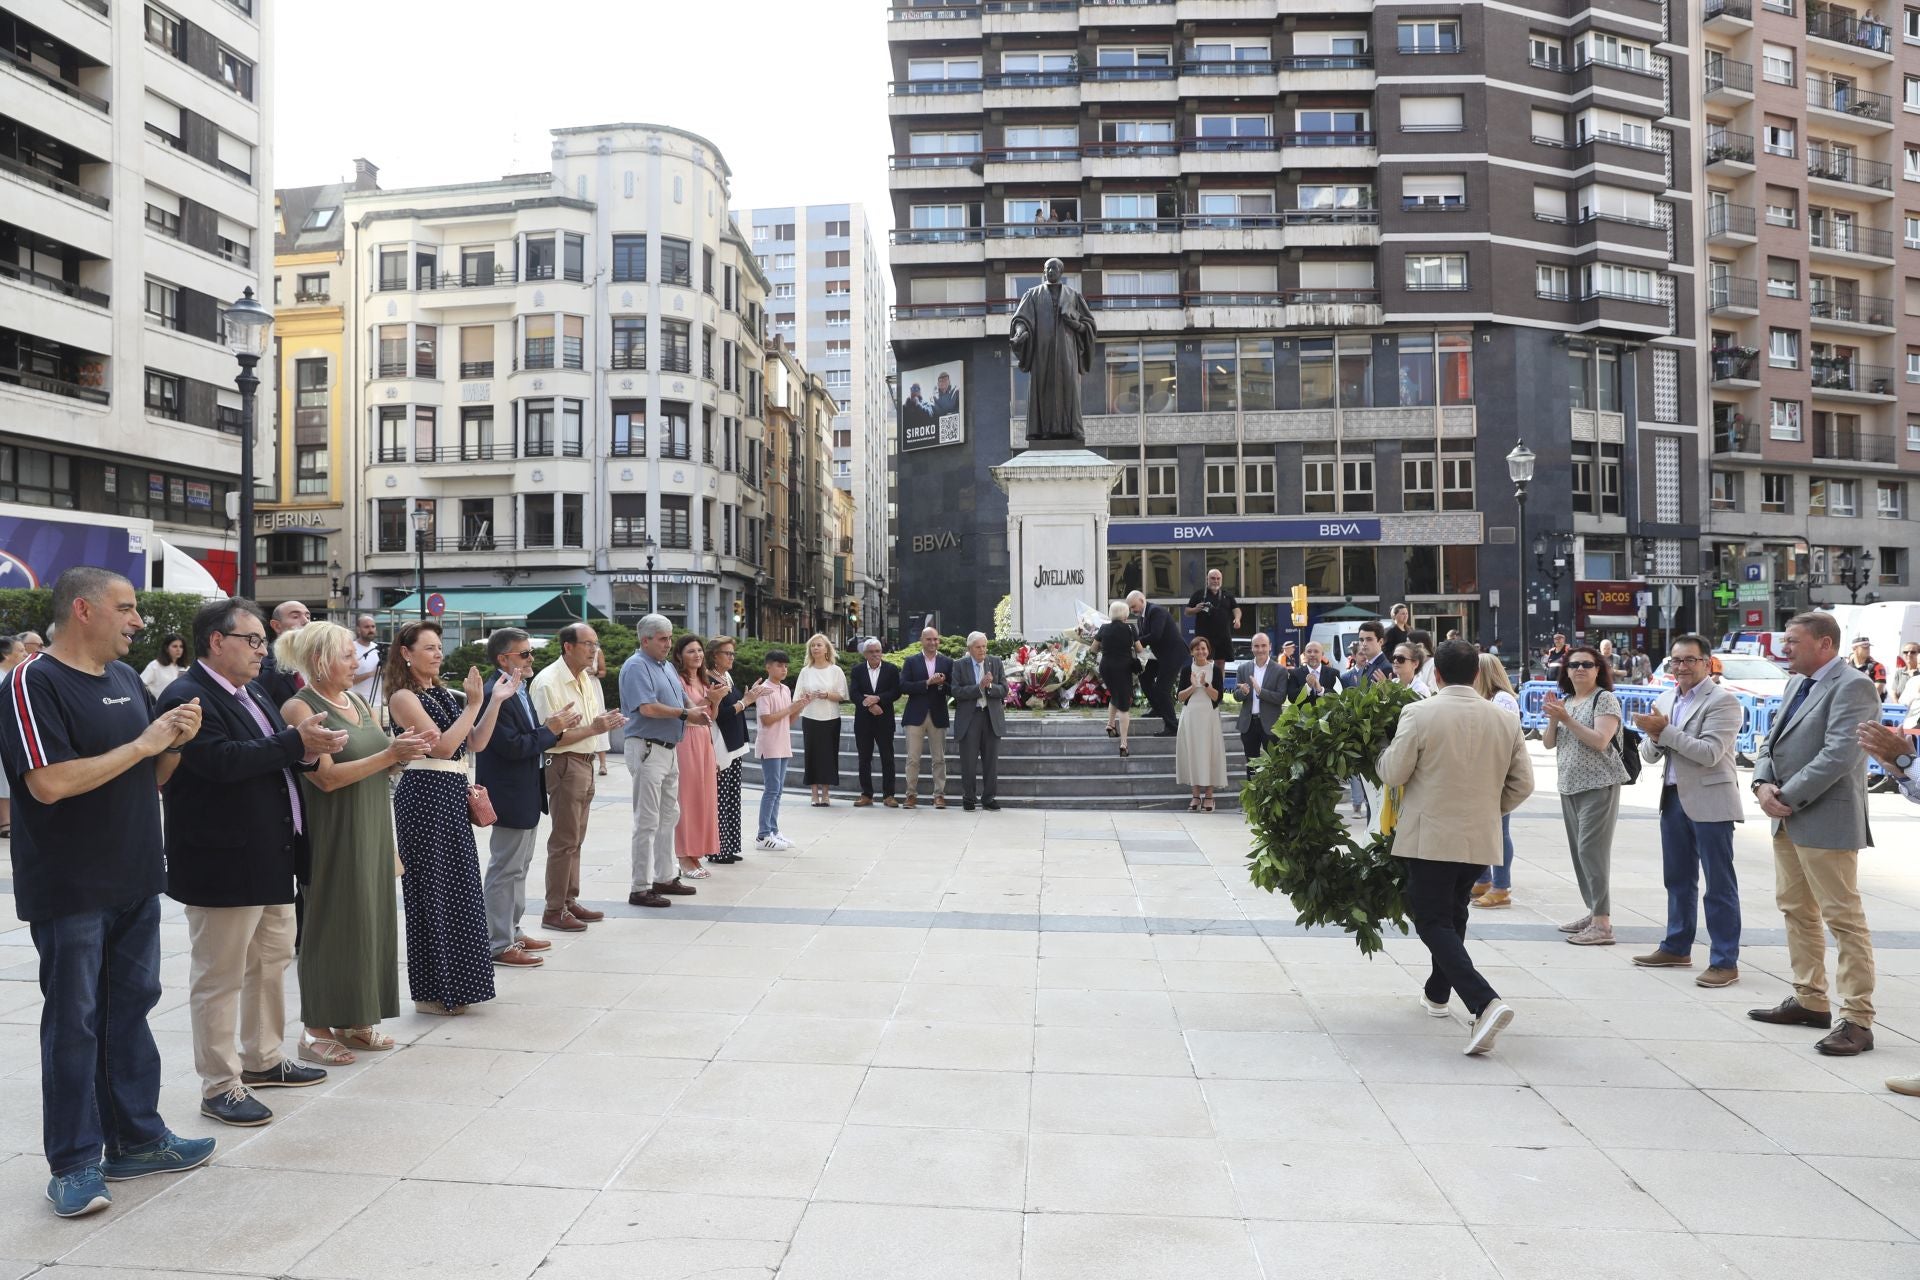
point(323, 1050)
point(695, 872)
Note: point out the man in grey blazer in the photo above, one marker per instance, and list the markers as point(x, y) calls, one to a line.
point(1692, 729)
point(1261, 686)
point(979, 720)
point(1810, 777)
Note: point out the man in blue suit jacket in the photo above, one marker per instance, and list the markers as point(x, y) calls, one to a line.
point(926, 678)
point(510, 771)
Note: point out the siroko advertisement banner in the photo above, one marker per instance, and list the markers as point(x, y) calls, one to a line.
point(931, 413)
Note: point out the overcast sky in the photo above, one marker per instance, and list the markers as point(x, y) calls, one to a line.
point(793, 93)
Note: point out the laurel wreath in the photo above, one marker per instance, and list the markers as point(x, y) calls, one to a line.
point(1302, 847)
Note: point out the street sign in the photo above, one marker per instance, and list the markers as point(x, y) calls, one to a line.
point(1756, 618)
point(1752, 591)
point(1756, 572)
point(436, 604)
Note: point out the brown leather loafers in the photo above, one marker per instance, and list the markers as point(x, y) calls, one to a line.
point(1791, 1013)
point(1846, 1040)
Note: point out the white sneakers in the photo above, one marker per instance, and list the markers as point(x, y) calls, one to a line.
point(774, 841)
point(1491, 1021)
point(1433, 1010)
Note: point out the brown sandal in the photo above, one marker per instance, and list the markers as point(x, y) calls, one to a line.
point(363, 1038)
point(326, 1052)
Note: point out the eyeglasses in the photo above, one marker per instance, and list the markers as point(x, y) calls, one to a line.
point(1585, 666)
point(1399, 658)
point(1673, 662)
point(255, 640)
point(518, 654)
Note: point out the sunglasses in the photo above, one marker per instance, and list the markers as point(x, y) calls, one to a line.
point(1400, 658)
point(1583, 666)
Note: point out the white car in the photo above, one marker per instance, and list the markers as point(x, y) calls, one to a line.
point(1742, 672)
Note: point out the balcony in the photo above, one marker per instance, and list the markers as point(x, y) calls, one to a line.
point(1284, 308)
point(477, 278)
point(1848, 170)
point(476, 369)
point(52, 284)
point(1848, 240)
point(1857, 311)
point(1840, 378)
point(1733, 295)
point(1730, 222)
point(34, 173)
point(53, 368)
point(1846, 444)
point(1727, 12)
point(551, 449)
point(60, 84)
point(1850, 39)
point(1730, 150)
point(475, 541)
point(1847, 106)
point(1729, 79)
point(935, 21)
point(1733, 433)
point(1735, 365)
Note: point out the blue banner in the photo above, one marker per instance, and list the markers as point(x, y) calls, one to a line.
point(35, 552)
point(1199, 531)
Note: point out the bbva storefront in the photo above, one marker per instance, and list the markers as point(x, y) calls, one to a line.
point(1431, 560)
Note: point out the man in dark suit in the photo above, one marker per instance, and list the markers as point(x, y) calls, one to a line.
point(926, 678)
point(1373, 664)
point(235, 841)
point(278, 685)
point(979, 720)
point(874, 687)
point(1262, 686)
point(509, 769)
point(1161, 635)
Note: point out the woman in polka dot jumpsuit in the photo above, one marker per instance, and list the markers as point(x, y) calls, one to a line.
point(449, 964)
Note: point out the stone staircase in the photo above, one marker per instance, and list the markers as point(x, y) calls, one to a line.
point(1054, 761)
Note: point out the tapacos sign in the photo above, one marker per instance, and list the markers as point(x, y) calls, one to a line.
point(1606, 597)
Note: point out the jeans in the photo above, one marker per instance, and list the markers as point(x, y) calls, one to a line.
point(1686, 849)
point(1437, 897)
point(99, 1066)
point(773, 780)
point(1502, 871)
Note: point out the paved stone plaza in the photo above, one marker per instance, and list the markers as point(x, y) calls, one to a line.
point(1045, 1046)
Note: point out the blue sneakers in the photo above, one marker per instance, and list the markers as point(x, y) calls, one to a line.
point(172, 1154)
point(75, 1194)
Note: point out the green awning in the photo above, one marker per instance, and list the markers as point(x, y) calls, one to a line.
point(549, 606)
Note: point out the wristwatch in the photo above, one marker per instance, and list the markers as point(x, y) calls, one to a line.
point(1904, 761)
point(683, 714)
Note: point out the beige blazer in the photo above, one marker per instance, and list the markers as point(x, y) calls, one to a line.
point(1702, 752)
point(1463, 762)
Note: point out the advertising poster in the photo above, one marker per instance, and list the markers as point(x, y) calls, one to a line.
point(931, 413)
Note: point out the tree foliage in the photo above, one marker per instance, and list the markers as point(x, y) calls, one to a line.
point(1302, 847)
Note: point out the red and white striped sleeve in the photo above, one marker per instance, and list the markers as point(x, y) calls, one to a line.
point(33, 723)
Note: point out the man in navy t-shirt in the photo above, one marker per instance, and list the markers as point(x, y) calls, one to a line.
point(85, 756)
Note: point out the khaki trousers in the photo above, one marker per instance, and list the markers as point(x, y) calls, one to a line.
point(237, 990)
point(1812, 886)
point(569, 777)
point(919, 735)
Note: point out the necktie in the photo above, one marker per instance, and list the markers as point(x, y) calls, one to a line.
point(1799, 696)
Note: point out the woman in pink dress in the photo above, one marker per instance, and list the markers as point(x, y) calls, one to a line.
point(698, 832)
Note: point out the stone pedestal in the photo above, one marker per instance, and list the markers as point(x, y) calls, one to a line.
point(1057, 510)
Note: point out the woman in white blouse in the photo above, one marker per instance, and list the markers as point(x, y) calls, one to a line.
point(166, 666)
point(818, 691)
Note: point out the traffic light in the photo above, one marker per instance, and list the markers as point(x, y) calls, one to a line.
point(853, 612)
point(739, 612)
point(1300, 604)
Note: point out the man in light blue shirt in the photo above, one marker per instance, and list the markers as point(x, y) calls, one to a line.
point(1895, 752)
point(655, 703)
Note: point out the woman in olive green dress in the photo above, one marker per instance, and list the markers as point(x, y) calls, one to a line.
point(349, 953)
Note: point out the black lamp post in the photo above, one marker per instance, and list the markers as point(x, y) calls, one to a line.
point(653, 602)
point(1854, 573)
point(244, 325)
point(422, 521)
point(1520, 470)
point(1550, 557)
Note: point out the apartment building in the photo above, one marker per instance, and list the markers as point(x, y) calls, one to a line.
point(827, 301)
point(801, 597)
point(1343, 257)
point(133, 202)
point(558, 378)
point(304, 533)
point(1812, 227)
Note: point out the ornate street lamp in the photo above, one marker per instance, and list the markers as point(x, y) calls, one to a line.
point(422, 521)
point(244, 325)
point(1520, 470)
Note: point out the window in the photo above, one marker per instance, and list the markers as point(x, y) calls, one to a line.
point(1546, 51)
point(1776, 490)
point(539, 342)
point(1605, 47)
point(1725, 491)
point(676, 521)
point(1777, 139)
point(539, 257)
point(1550, 281)
point(1549, 126)
point(1432, 115)
point(1419, 191)
point(1549, 204)
point(163, 304)
point(1893, 566)
point(390, 518)
point(164, 30)
point(1890, 500)
point(676, 262)
point(1783, 419)
point(706, 272)
point(1134, 56)
point(1783, 349)
point(1317, 493)
point(676, 346)
point(572, 344)
point(1911, 232)
point(837, 229)
point(425, 433)
point(390, 434)
point(1222, 480)
point(1330, 128)
point(476, 351)
point(1596, 478)
point(1434, 271)
point(839, 258)
point(1418, 477)
point(1911, 92)
point(1776, 63)
point(629, 342)
point(235, 72)
point(476, 435)
point(1783, 215)
point(163, 395)
point(1258, 496)
point(1843, 498)
point(1611, 280)
point(1240, 50)
point(311, 288)
point(1430, 36)
point(630, 258)
point(839, 319)
point(426, 362)
point(393, 269)
point(1783, 278)
point(536, 428)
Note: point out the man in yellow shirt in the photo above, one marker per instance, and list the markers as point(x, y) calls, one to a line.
point(569, 684)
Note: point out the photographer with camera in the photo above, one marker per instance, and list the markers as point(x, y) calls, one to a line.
point(368, 655)
point(1216, 615)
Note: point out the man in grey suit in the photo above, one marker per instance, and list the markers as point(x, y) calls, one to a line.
point(1693, 728)
point(1810, 777)
point(1261, 686)
point(979, 720)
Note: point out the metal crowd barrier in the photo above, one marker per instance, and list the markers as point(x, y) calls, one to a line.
point(1635, 699)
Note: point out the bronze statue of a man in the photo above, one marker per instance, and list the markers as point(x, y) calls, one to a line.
point(1052, 338)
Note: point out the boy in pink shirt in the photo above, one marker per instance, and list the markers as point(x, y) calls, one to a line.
point(773, 744)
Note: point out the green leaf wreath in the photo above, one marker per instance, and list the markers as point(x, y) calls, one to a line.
point(1302, 847)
